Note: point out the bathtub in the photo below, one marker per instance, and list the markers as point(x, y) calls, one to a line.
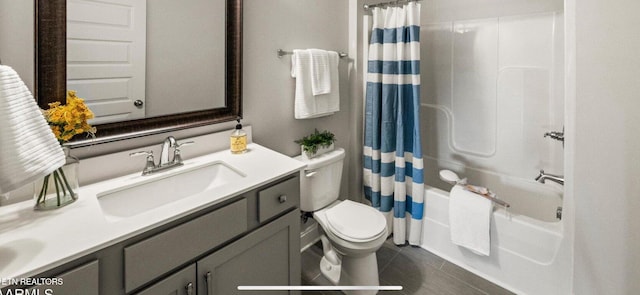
point(529, 251)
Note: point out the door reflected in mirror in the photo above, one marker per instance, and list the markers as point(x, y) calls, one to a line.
point(51, 70)
point(134, 59)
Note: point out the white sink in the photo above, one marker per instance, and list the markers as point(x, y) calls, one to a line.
point(163, 188)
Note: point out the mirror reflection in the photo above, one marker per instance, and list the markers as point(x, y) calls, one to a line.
point(133, 59)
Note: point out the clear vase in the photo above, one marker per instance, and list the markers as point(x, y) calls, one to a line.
point(59, 188)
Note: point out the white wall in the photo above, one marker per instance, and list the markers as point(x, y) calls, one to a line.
point(491, 87)
point(607, 147)
point(443, 10)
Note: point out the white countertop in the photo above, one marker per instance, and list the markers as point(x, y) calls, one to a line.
point(35, 241)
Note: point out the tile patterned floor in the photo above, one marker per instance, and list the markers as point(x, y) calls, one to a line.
point(417, 270)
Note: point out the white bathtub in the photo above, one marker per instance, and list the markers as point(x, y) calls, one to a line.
point(529, 254)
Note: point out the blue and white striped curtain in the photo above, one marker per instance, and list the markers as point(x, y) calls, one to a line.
point(393, 164)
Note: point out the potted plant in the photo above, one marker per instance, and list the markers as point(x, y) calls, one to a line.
point(316, 143)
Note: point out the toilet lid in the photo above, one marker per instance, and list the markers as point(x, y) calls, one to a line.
point(355, 222)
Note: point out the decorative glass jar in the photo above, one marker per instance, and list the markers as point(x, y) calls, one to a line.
point(59, 188)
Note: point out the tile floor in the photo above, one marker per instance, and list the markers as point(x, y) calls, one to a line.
point(417, 270)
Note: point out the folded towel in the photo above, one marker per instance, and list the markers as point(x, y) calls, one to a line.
point(470, 220)
point(308, 105)
point(29, 148)
point(320, 72)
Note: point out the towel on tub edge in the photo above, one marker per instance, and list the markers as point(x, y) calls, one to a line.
point(470, 220)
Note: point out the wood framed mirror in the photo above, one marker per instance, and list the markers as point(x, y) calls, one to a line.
point(51, 77)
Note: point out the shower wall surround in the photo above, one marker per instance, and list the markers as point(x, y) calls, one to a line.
point(491, 87)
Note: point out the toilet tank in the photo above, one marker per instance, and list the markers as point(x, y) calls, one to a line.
point(320, 180)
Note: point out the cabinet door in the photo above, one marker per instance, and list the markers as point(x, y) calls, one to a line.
point(159, 254)
point(180, 283)
point(269, 256)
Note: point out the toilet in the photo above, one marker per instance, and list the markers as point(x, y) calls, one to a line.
point(351, 232)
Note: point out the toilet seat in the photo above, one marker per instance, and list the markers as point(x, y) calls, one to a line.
point(355, 222)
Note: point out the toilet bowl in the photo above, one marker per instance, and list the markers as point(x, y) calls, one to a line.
point(351, 232)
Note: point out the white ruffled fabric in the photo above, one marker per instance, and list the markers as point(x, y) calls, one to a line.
point(29, 148)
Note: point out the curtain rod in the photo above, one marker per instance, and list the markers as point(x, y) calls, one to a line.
point(369, 6)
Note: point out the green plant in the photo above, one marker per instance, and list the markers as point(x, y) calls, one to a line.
point(315, 140)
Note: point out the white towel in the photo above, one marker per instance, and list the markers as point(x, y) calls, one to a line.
point(320, 72)
point(470, 220)
point(308, 105)
point(29, 148)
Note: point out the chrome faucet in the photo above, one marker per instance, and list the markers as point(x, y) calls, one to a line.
point(169, 142)
point(164, 163)
point(542, 177)
point(557, 135)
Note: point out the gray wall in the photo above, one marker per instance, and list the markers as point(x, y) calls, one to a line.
point(268, 89)
point(181, 76)
point(607, 145)
point(16, 38)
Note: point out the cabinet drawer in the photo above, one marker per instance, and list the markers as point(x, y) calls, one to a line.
point(163, 252)
point(278, 198)
point(80, 280)
point(182, 282)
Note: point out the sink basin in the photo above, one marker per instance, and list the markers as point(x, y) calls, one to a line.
point(164, 188)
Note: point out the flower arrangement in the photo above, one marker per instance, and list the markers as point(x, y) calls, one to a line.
point(68, 120)
point(65, 121)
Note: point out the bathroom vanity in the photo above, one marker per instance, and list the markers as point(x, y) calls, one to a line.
point(245, 231)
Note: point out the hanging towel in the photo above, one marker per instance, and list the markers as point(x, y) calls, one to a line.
point(308, 105)
point(469, 220)
point(320, 72)
point(29, 148)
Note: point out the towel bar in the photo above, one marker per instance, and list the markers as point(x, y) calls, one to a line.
point(453, 178)
point(282, 53)
point(489, 195)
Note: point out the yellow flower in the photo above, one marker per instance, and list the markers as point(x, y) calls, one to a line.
point(70, 119)
point(56, 131)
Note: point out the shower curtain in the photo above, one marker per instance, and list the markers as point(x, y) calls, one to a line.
point(393, 165)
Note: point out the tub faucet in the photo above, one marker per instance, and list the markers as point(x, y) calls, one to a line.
point(542, 177)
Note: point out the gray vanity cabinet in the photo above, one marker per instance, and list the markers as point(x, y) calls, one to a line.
point(269, 256)
point(251, 239)
point(150, 258)
point(80, 280)
point(182, 282)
